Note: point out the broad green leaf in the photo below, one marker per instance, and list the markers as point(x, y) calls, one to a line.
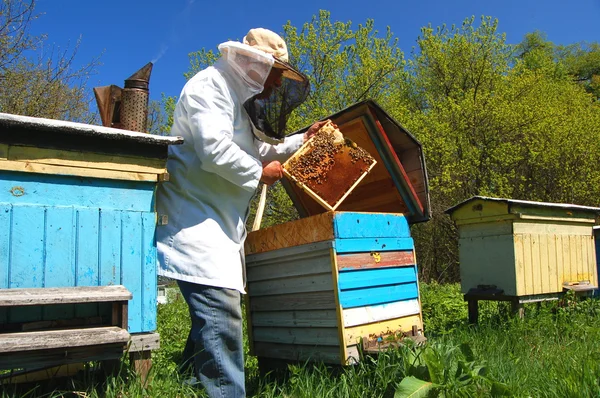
point(411, 387)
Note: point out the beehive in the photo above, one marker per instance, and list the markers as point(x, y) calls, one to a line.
point(321, 286)
point(525, 249)
point(597, 240)
point(77, 209)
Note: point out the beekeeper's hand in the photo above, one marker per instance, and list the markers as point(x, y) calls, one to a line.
point(272, 172)
point(312, 130)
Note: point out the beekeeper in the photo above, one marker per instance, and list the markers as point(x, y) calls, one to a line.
point(232, 117)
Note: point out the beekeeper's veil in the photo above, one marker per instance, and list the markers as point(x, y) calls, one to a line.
point(253, 59)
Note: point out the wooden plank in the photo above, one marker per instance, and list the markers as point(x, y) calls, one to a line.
point(356, 333)
point(560, 270)
point(545, 227)
point(131, 267)
point(296, 284)
point(338, 305)
point(290, 302)
point(60, 356)
point(60, 157)
point(3, 151)
point(296, 352)
point(63, 295)
point(295, 335)
point(6, 227)
point(59, 262)
point(149, 278)
point(377, 313)
point(519, 265)
point(289, 266)
point(370, 225)
point(51, 339)
point(544, 264)
point(375, 260)
point(75, 171)
point(144, 342)
point(306, 318)
point(550, 254)
point(86, 254)
point(406, 189)
point(372, 244)
point(110, 247)
point(528, 262)
point(376, 277)
point(68, 191)
point(295, 233)
point(378, 295)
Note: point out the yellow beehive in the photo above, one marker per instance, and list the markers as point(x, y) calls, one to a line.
point(525, 248)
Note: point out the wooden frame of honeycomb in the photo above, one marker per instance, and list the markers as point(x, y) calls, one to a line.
point(328, 166)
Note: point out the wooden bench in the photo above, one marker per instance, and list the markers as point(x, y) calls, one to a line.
point(59, 343)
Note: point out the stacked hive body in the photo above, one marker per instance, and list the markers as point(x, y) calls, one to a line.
point(77, 209)
point(524, 251)
point(321, 286)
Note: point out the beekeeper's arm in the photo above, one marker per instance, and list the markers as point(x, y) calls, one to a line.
point(283, 151)
point(210, 116)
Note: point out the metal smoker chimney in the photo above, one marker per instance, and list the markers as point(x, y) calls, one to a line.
point(126, 108)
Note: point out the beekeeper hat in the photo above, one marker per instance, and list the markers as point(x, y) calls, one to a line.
point(271, 43)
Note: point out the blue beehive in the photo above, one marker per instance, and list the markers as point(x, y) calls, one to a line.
point(323, 286)
point(77, 209)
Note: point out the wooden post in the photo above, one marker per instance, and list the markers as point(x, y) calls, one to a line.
point(517, 308)
point(473, 310)
point(141, 363)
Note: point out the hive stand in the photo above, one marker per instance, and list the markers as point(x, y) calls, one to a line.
point(42, 344)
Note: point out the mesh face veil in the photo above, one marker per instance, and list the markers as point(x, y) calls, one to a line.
point(270, 115)
point(252, 65)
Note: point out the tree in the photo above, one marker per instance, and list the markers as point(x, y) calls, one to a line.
point(35, 80)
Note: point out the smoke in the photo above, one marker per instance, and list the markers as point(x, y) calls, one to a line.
point(177, 22)
point(163, 49)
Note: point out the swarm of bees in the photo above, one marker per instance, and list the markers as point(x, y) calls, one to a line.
point(313, 165)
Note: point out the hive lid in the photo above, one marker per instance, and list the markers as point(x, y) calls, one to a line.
point(398, 182)
point(60, 134)
point(483, 207)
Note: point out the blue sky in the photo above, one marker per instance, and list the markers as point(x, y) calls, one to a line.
point(130, 33)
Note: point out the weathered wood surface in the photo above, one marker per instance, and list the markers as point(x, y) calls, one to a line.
point(92, 160)
point(355, 261)
point(289, 285)
point(349, 225)
point(63, 295)
point(300, 318)
point(374, 277)
point(297, 352)
point(297, 335)
point(294, 233)
point(373, 244)
point(298, 301)
point(29, 167)
point(377, 313)
point(144, 342)
point(60, 356)
point(51, 339)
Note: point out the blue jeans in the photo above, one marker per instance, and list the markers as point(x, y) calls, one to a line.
point(214, 347)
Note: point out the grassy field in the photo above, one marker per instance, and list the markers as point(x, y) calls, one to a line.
point(554, 352)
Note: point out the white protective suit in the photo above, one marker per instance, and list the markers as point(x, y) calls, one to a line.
point(215, 173)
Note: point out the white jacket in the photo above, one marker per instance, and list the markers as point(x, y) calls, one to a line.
point(213, 177)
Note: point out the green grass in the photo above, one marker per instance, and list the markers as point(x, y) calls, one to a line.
point(554, 352)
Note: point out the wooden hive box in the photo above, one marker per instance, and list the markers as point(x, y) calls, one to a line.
point(320, 285)
point(77, 209)
point(398, 181)
point(524, 249)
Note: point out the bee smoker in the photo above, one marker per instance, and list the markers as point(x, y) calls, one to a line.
point(126, 108)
